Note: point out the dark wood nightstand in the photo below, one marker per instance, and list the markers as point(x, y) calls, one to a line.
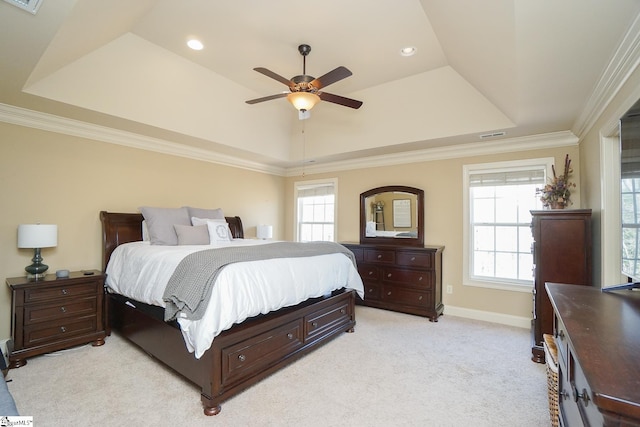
point(52, 314)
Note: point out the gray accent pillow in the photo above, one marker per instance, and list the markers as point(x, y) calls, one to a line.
point(161, 221)
point(205, 213)
point(192, 235)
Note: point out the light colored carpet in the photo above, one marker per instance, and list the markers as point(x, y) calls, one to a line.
point(395, 370)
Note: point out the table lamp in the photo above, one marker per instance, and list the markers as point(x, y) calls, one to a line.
point(264, 232)
point(37, 236)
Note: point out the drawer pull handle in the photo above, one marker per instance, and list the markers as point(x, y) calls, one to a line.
point(370, 290)
point(371, 273)
point(62, 309)
point(413, 258)
point(64, 292)
point(564, 394)
point(379, 256)
point(389, 293)
point(290, 335)
point(561, 334)
point(420, 279)
point(389, 275)
point(63, 329)
point(242, 357)
point(584, 396)
point(314, 324)
point(342, 311)
point(420, 298)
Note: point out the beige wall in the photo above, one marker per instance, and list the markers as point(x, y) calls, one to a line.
point(53, 178)
point(442, 184)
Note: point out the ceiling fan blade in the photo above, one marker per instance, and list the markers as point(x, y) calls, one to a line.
point(267, 98)
point(331, 77)
point(274, 76)
point(337, 99)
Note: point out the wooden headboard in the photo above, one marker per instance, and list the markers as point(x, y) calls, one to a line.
point(119, 228)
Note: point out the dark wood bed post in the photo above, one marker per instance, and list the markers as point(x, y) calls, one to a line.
point(240, 356)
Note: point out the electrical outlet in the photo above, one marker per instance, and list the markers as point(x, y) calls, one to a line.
point(449, 289)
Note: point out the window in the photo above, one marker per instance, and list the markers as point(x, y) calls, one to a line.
point(630, 193)
point(315, 204)
point(498, 201)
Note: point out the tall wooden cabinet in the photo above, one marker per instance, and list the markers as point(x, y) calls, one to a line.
point(561, 254)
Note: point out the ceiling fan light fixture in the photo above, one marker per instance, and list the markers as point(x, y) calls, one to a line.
point(303, 101)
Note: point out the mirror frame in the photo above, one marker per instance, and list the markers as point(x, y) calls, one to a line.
point(419, 241)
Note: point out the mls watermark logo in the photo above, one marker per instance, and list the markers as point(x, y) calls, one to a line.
point(15, 421)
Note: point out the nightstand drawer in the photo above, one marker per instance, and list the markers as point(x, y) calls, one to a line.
point(56, 331)
point(71, 308)
point(71, 289)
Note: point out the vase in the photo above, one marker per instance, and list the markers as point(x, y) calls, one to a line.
point(556, 205)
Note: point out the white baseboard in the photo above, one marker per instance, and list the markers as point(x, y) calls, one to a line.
point(488, 316)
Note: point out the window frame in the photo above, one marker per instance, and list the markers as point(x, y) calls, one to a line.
point(493, 167)
point(302, 185)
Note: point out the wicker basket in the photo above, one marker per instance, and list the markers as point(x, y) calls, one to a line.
point(551, 356)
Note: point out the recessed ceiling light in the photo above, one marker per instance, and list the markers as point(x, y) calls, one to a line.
point(195, 44)
point(408, 51)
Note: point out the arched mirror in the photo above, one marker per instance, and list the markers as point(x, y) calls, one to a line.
point(392, 215)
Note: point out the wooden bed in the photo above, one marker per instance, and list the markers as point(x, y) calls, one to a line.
point(238, 357)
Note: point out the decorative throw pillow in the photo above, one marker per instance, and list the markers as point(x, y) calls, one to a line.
point(192, 235)
point(218, 229)
point(161, 221)
point(205, 213)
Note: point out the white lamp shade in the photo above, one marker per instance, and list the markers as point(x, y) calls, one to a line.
point(265, 232)
point(37, 235)
point(303, 100)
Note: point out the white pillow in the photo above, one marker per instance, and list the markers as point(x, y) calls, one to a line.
point(218, 229)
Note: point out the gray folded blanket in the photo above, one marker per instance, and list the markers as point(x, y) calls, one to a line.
point(189, 288)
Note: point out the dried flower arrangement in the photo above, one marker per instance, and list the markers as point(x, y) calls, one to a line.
point(557, 193)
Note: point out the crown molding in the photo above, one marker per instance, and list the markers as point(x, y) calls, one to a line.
point(52, 123)
point(507, 145)
point(624, 62)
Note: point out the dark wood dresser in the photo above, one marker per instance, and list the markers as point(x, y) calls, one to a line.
point(401, 278)
point(53, 314)
point(598, 339)
point(561, 254)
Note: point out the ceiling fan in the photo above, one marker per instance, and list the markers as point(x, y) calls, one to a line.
point(304, 90)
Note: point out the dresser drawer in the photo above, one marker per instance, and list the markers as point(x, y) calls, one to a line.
point(61, 291)
point(35, 313)
point(372, 291)
point(415, 259)
point(421, 279)
point(380, 255)
point(246, 358)
point(368, 272)
point(561, 340)
point(406, 296)
point(332, 317)
point(44, 333)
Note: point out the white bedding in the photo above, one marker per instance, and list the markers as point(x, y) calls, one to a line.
point(141, 271)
